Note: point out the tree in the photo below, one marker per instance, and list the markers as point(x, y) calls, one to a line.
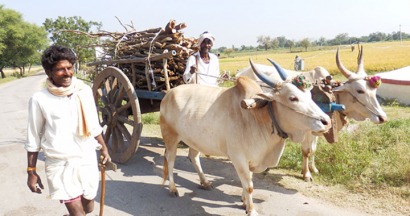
point(222, 49)
point(305, 43)
point(322, 41)
point(274, 43)
point(264, 41)
point(70, 32)
point(20, 42)
point(378, 36)
point(26, 45)
point(282, 41)
point(340, 39)
point(290, 44)
point(228, 52)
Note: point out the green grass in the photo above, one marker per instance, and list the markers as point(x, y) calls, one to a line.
point(368, 158)
point(150, 118)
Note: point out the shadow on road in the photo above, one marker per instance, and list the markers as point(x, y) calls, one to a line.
point(136, 195)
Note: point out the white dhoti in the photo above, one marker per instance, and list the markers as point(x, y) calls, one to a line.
point(71, 178)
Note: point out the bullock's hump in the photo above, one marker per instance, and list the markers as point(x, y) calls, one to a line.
point(197, 91)
point(247, 85)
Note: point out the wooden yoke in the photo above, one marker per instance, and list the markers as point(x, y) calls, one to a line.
point(324, 97)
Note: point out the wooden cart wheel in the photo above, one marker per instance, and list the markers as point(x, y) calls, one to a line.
point(118, 112)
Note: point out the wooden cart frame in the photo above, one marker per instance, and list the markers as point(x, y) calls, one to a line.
point(120, 105)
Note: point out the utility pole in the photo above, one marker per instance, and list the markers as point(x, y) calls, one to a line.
point(401, 42)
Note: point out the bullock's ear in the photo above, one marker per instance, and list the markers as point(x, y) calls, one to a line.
point(340, 88)
point(257, 101)
point(265, 95)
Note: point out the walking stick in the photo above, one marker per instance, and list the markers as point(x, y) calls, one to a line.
point(111, 166)
point(196, 73)
point(102, 167)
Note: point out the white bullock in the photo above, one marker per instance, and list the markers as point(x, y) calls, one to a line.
point(237, 123)
point(314, 75)
point(356, 94)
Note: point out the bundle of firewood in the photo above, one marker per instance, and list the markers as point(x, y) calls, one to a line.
point(142, 53)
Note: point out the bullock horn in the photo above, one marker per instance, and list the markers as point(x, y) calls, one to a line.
point(360, 64)
point(279, 69)
point(342, 68)
point(266, 79)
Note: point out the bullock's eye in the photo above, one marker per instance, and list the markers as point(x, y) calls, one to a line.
point(293, 99)
point(360, 91)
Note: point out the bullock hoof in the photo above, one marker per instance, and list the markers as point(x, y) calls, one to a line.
point(174, 193)
point(252, 213)
point(244, 206)
point(206, 186)
point(308, 179)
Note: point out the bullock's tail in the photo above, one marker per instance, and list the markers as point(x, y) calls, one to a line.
point(165, 168)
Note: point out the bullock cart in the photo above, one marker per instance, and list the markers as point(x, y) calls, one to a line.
point(123, 92)
point(133, 72)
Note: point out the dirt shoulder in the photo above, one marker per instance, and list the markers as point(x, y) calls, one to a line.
point(382, 203)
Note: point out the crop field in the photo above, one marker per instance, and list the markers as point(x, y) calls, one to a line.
point(378, 57)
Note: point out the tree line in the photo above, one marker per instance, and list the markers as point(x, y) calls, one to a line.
point(281, 42)
point(21, 43)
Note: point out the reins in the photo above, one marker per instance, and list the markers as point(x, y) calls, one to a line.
point(356, 99)
point(275, 123)
point(229, 78)
point(305, 114)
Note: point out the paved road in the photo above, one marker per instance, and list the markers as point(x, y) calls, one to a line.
point(135, 189)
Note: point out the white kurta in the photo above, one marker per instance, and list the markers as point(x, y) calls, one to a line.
point(71, 160)
point(208, 73)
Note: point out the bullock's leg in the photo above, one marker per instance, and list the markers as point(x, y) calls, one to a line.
point(194, 157)
point(312, 166)
point(308, 151)
point(170, 155)
point(171, 141)
point(245, 175)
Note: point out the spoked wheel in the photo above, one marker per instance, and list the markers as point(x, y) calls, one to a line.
point(119, 113)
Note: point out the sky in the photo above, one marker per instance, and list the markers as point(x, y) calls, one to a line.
point(232, 22)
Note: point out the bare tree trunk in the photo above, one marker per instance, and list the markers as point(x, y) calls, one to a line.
point(3, 75)
point(21, 71)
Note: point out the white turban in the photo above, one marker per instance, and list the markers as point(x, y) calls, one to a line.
point(205, 35)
